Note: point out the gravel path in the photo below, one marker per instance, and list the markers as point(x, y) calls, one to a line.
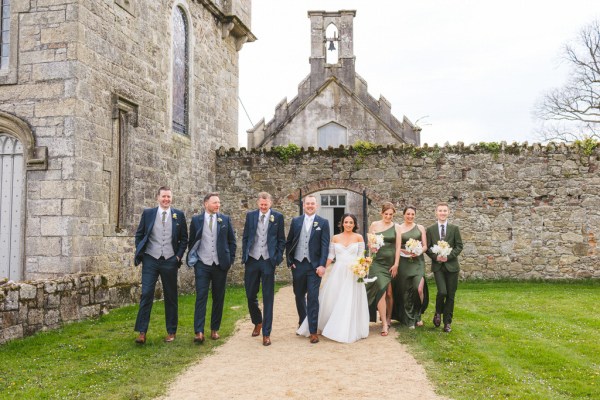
point(292, 368)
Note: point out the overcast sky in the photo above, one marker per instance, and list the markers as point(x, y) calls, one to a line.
point(467, 71)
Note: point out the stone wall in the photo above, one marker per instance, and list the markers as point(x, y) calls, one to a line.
point(28, 307)
point(525, 212)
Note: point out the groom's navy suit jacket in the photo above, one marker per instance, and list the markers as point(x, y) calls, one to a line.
point(275, 236)
point(179, 238)
point(226, 244)
point(318, 244)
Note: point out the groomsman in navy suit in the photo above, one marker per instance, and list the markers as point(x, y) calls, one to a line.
point(263, 242)
point(160, 241)
point(307, 247)
point(212, 251)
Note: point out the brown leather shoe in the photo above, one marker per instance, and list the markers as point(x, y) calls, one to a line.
point(199, 338)
point(141, 339)
point(257, 329)
point(447, 328)
point(214, 335)
point(314, 338)
point(437, 320)
point(266, 341)
point(170, 337)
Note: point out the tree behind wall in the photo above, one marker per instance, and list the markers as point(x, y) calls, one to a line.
point(572, 112)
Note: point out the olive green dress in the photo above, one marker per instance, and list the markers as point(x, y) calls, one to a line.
point(407, 306)
point(380, 268)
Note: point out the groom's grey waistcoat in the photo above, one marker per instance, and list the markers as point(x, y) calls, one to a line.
point(207, 252)
point(259, 247)
point(159, 240)
point(302, 246)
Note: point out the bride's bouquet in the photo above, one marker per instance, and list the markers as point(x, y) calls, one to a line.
point(361, 268)
point(374, 242)
point(414, 246)
point(442, 248)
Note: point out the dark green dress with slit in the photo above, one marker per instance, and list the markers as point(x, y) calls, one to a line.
point(408, 307)
point(382, 261)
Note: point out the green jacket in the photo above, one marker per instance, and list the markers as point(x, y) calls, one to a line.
point(454, 240)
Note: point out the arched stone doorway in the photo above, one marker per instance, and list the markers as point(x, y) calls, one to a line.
point(18, 154)
point(12, 178)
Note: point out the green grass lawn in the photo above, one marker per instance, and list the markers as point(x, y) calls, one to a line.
point(99, 359)
point(515, 340)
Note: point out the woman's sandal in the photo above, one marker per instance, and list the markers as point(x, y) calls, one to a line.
point(419, 323)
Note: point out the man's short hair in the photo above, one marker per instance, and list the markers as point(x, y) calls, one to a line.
point(163, 188)
point(209, 195)
point(264, 196)
point(309, 195)
point(441, 204)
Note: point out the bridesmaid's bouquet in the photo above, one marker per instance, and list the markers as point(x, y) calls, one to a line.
point(375, 242)
point(442, 248)
point(361, 268)
point(414, 246)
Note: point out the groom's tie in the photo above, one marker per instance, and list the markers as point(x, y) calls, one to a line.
point(443, 232)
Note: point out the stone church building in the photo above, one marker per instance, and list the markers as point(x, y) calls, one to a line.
point(102, 102)
point(333, 108)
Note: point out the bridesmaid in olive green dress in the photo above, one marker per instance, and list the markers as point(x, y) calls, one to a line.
point(384, 267)
point(411, 296)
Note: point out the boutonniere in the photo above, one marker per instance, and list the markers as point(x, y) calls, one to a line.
point(272, 218)
point(174, 216)
point(315, 224)
point(219, 220)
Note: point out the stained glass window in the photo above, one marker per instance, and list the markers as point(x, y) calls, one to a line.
point(4, 33)
point(180, 71)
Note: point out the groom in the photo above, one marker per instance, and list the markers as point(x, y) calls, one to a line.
point(445, 269)
point(263, 243)
point(306, 249)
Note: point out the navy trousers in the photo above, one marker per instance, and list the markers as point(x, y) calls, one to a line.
point(153, 268)
point(306, 289)
point(257, 272)
point(205, 274)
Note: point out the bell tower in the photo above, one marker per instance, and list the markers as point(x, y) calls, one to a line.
point(332, 53)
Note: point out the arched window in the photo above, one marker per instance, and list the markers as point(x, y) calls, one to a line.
point(4, 33)
point(332, 134)
point(332, 44)
point(180, 71)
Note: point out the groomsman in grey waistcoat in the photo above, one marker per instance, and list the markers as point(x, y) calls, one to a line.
point(263, 242)
point(160, 241)
point(211, 254)
point(307, 247)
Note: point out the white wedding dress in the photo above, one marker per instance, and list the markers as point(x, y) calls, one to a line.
point(343, 307)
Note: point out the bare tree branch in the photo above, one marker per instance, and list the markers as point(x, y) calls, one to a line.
point(572, 111)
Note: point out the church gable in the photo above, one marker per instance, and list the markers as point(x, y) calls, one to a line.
point(333, 92)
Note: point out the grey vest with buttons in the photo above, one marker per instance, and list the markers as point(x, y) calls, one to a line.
point(259, 248)
point(302, 246)
point(207, 252)
point(160, 239)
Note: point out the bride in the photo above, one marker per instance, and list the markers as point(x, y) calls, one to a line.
point(343, 308)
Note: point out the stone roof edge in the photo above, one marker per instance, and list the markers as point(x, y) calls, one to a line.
point(494, 148)
point(308, 98)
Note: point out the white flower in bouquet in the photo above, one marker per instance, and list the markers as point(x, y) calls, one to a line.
point(361, 268)
point(414, 246)
point(442, 248)
point(375, 242)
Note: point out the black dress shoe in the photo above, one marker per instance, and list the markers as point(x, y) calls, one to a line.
point(447, 328)
point(437, 320)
